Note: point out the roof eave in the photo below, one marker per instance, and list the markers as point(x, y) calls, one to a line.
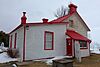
point(60, 19)
point(31, 24)
point(16, 28)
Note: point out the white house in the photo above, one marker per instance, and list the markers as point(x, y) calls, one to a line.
point(46, 39)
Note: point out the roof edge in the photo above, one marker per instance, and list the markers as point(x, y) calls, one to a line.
point(50, 23)
point(16, 28)
point(83, 21)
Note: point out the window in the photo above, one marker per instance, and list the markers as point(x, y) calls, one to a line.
point(71, 23)
point(11, 41)
point(83, 44)
point(48, 40)
point(15, 40)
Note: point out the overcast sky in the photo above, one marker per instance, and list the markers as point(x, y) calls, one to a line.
point(11, 12)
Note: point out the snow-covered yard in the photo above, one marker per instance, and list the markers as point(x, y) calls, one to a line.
point(4, 56)
point(95, 48)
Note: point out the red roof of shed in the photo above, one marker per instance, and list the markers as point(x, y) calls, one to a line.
point(76, 35)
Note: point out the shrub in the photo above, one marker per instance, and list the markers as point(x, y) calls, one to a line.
point(13, 53)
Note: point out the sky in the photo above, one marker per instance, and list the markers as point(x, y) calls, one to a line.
point(11, 12)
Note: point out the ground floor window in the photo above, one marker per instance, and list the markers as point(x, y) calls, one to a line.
point(15, 40)
point(83, 44)
point(48, 40)
point(11, 41)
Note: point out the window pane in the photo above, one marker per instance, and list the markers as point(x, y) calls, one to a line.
point(48, 44)
point(49, 39)
point(49, 36)
point(83, 44)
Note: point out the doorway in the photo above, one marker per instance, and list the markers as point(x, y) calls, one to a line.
point(69, 47)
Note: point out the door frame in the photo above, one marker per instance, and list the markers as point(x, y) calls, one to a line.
point(70, 46)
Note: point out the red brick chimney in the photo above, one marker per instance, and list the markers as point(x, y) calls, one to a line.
point(23, 18)
point(45, 20)
point(72, 8)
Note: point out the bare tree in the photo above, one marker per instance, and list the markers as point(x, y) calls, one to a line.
point(62, 11)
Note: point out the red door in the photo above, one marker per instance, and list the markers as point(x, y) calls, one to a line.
point(69, 47)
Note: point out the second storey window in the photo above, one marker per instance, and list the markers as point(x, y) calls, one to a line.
point(48, 40)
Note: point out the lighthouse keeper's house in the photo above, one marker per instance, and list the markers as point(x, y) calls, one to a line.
point(59, 37)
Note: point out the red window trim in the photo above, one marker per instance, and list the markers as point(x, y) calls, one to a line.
point(15, 40)
point(84, 47)
point(45, 40)
point(11, 41)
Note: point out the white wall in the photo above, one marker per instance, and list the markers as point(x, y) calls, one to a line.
point(35, 41)
point(77, 49)
point(19, 41)
point(85, 52)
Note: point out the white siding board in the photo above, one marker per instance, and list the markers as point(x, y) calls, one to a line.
point(19, 41)
point(19, 44)
point(85, 52)
point(35, 41)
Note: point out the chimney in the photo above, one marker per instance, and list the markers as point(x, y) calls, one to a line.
point(45, 20)
point(72, 8)
point(23, 18)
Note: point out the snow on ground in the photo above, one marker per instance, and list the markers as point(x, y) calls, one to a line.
point(0, 50)
point(95, 48)
point(5, 58)
point(49, 61)
point(96, 51)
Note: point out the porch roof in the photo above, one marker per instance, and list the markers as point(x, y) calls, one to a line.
point(76, 36)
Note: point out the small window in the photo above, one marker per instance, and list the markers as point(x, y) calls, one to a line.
point(48, 40)
point(71, 23)
point(83, 44)
point(11, 41)
point(15, 40)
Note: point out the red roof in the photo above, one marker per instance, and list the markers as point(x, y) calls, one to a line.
point(76, 36)
point(60, 19)
point(55, 21)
